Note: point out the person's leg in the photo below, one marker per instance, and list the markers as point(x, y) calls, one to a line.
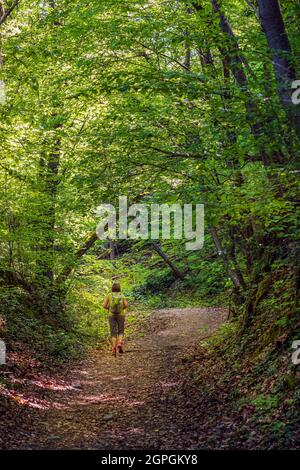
point(121, 326)
point(113, 344)
point(113, 333)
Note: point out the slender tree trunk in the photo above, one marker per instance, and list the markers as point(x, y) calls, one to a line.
point(234, 273)
point(49, 166)
point(273, 26)
point(234, 54)
point(168, 262)
point(235, 61)
point(112, 251)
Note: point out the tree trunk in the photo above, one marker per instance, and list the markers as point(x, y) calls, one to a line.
point(235, 274)
point(112, 251)
point(168, 262)
point(273, 26)
point(187, 58)
point(235, 62)
point(49, 166)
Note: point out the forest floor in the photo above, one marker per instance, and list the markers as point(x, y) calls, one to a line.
point(142, 399)
point(166, 392)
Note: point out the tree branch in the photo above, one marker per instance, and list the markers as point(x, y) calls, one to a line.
point(176, 154)
point(8, 12)
point(253, 7)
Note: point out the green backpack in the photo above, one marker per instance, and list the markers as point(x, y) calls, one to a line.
point(116, 304)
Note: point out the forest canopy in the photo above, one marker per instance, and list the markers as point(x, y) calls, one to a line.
point(165, 102)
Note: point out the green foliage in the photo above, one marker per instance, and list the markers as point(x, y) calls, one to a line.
point(143, 99)
point(265, 402)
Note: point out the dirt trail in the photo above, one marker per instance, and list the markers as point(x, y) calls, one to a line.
point(139, 400)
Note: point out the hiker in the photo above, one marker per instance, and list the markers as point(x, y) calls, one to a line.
point(116, 304)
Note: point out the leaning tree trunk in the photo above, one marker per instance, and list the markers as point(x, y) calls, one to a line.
point(273, 26)
point(177, 274)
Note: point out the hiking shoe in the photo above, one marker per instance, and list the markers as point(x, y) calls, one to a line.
point(120, 348)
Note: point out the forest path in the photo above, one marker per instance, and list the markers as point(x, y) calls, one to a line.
point(142, 399)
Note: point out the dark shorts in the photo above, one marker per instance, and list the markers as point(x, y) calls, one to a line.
point(116, 323)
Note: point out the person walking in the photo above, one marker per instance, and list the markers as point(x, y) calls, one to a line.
point(116, 304)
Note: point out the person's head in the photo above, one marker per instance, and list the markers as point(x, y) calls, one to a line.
point(116, 287)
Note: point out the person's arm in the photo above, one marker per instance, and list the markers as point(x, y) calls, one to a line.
point(106, 303)
point(125, 303)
